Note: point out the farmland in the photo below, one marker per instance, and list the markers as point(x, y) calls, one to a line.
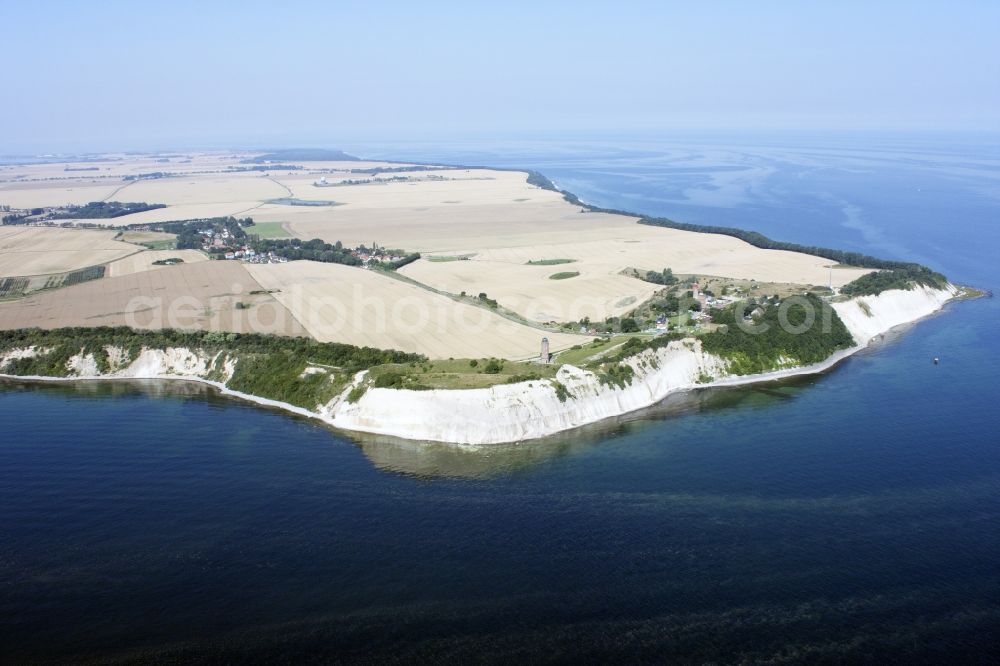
point(491, 282)
point(154, 240)
point(144, 261)
point(26, 251)
point(338, 303)
point(201, 296)
point(597, 292)
point(269, 230)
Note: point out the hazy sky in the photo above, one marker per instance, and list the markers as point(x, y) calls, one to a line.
point(148, 74)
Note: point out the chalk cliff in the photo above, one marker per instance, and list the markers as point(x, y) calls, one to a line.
point(526, 410)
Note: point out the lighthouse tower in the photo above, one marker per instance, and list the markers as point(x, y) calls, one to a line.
point(545, 357)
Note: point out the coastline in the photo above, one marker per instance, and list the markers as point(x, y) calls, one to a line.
point(526, 411)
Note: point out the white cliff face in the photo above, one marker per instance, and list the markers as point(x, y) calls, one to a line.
point(512, 412)
point(527, 410)
point(869, 316)
point(17, 354)
point(175, 362)
point(170, 363)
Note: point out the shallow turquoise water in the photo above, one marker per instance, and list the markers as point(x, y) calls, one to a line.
point(852, 516)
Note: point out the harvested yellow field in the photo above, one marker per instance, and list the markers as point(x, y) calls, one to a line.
point(343, 304)
point(208, 189)
point(47, 193)
point(200, 296)
point(462, 187)
point(203, 196)
point(469, 208)
point(597, 292)
point(600, 290)
point(144, 261)
point(43, 250)
point(500, 218)
point(113, 167)
point(183, 212)
point(656, 248)
point(198, 185)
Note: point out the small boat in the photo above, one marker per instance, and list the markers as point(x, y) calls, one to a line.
point(936, 360)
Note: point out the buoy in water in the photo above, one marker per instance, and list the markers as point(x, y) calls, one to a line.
point(935, 360)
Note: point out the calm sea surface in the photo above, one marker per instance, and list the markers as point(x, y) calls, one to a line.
point(849, 517)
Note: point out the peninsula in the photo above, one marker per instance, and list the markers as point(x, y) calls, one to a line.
point(457, 304)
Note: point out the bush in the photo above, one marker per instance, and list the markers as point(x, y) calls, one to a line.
point(355, 393)
point(561, 391)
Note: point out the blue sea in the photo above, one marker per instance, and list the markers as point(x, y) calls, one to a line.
point(852, 517)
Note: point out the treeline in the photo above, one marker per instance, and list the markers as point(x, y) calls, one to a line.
point(374, 171)
point(150, 175)
point(752, 237)
point(760, 240)
point(348, 358)
point(233, 224)
point(331, 253)
point(187, 231)
point(539, 180)
point(102, 210)
point(900, 278)
point(302, 155)
point(95, 210)
point(314, 250)
point(399, 263)
point(266, 167)
point(267, 366)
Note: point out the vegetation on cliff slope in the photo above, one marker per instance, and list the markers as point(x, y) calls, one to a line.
point(800, 331)
point(268, 366)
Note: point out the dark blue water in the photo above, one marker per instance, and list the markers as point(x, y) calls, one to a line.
point(849, 517)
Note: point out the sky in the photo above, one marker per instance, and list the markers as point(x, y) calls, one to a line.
point(91, 76)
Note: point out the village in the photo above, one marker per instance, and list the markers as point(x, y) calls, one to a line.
point(224, 244)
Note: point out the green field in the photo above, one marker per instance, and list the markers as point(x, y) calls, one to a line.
point(550, 262)
point(440, 258)
point(154, 240)
point(269, 230)
point(578, 355)
point(161, 245)
point(457, 374)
